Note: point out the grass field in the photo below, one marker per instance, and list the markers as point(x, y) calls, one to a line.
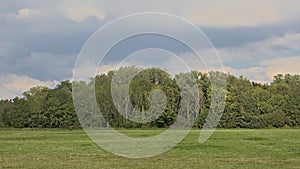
point(56, 148)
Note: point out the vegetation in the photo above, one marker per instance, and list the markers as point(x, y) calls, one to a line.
point(248, 104)
point(59, 148)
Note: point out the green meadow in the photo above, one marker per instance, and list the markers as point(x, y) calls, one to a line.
point(236, 148)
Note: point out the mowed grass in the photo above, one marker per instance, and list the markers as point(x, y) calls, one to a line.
point(238, 148)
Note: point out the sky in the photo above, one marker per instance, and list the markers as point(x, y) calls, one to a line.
point(40, 40)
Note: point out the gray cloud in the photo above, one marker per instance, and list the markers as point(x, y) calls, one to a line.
point(29, 48)
point(239, 36)
point(40, 40)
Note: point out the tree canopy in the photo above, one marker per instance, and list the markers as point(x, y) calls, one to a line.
point(248, 104)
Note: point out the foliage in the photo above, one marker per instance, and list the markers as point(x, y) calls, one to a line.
point(248, 104)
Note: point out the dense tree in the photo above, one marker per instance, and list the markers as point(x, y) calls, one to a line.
point(132, 97)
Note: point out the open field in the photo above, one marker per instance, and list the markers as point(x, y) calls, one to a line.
point(57, 148)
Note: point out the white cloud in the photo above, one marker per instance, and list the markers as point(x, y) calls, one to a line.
point(232, 13)
point(211, 13)
point(55, 11)
point(12, 85)
point(271, 56)
point(241, 13)
point(257, 74)
point(78, 11)
point(23, 14)
point(214, 12)
point(281, 46)
point(51, 18)
point(282, 66)
point(268, 69)
point(27, 13)
point(106, 68)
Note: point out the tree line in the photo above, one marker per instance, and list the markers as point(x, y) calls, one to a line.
point(248, 104)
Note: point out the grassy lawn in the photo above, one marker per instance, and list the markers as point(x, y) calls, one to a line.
point(57, 148)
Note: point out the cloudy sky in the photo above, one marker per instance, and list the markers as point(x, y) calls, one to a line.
point(40, 40)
